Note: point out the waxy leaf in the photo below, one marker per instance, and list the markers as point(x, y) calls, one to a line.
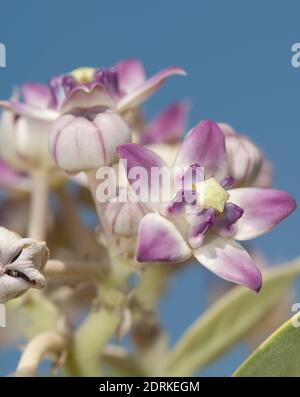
point(278, 356)
point(227, 321)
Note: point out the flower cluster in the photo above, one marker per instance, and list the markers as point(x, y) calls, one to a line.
point(80, 148)
point(88, 118)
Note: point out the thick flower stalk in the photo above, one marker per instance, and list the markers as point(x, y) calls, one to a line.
point(21, 264)
point(206, 216)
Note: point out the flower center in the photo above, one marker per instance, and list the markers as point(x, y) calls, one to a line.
point(83, 75)
point(210, 194)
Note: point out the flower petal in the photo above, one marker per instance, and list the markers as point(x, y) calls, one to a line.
point(263, 210)
point(204, 145)
point(193, 175)
point(12, 287)
point(60, 86)
point(36, 94)
point(8, 149)
point(185, 194)
point(141, 166)
point(131, 75)
point(227, 182)
point(160, 241)
point(143, 91)
point(139, 156)
point(201, 223)
point(87, 96)
point(265, 177)
point(179, 202)
point(244, 159)
point(168, 126)
point(24, 141)
point(230, 261)
point(31, 141)
point(29, 111)
point(226, 225)
point(9, 178)
point(165, 151)
point(123, 217)
point(87, 141)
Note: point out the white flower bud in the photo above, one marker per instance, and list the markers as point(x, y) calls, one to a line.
point(244, 157)
point(123, 219)
point(21, 264)
point(86, 139)
point(24, 141)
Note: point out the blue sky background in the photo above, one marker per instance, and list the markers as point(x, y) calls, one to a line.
point(237, 55)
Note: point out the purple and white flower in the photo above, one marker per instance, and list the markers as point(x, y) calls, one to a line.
point(92, 102)
point(79, 98)
point(206, 219)
point(168, 126)
point(122, 87)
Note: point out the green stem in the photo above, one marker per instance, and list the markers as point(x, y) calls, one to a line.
point(38, 205)
point(39, 347)
point(89, 341)
point(98, 328)
point(92, 180)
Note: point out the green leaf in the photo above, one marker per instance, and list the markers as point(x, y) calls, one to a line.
point(33, 314)
point(121, 362)
point(90, 339)
point(227, 321)
point(278, 356)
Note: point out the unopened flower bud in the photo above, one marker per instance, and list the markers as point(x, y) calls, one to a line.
point(21, 264)
point(86, 139)
point(122, 217)
point(245, 159)
point(24, 138)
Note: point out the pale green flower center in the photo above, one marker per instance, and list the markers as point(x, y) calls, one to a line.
point(83, 75)
point(210, 194)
